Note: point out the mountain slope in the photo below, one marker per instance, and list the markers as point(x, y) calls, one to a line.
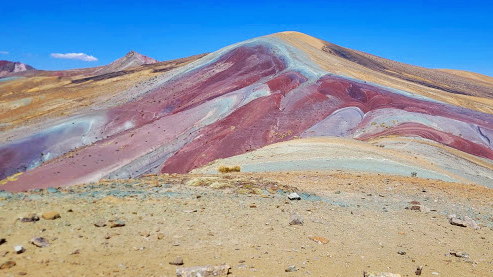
point(257, 93)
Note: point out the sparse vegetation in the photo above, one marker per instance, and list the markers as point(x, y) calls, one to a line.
point(226, 169)
point(414, 174)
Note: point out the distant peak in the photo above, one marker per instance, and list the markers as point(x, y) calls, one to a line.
point(7, 67)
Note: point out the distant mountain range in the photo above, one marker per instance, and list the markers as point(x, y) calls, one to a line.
point(282, 102)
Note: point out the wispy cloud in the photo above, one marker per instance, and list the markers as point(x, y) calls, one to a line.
point(4, 52)
point(74, 56)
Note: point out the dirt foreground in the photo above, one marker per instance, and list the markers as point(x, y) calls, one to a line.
point(351, 223)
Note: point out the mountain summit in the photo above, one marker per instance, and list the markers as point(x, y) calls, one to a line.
point(7, 67)
point(131, 59)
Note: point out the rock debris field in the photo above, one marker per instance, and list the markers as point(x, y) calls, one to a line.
point(240, 224)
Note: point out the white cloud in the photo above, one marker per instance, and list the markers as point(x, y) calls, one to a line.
point(74, 56)
point(4, 52)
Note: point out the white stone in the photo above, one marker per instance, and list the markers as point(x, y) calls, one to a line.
point(19, 249)
point(294, 196)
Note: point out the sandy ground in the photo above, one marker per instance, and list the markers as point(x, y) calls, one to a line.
point(243, 220)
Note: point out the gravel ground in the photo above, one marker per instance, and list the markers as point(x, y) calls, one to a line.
point(351, 223)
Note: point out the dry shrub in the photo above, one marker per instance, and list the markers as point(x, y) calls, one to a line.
point(226, 169)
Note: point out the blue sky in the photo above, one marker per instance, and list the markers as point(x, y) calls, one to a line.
point(435, 34)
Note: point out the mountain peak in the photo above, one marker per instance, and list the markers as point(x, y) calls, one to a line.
point(7, 67)
point(131, 59)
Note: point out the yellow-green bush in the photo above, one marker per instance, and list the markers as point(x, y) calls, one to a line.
point(226, 169)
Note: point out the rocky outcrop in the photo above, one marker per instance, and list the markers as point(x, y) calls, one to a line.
point(8, 67)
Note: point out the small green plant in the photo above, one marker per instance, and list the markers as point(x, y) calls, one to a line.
point(414, 174)
point(226, 169)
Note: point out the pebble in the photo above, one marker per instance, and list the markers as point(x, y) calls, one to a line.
point(380, 274)
point(144, 234)
point(160, 236)
point(208, 270)
point(291, 268)
point(19, 249)
point(459, 254)
point(30, 218)
point(177, 261)
point(40, 242)
point(420, 208)
point(51, 215)
point(7, 264)
point(467, 222)
point(419, 270)
point(296, 219)
point(52, 190)
point(4, 253)
point(117, 223)
point(100, 223)
point(294, 196)
point(319, 240)
point(2, 241)
point(401, 252)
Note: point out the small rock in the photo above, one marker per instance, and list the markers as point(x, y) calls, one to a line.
point(100, 223)
point(190, 211)
point(30, 218)
point(419, 270)
point(160, 236)
point(22, 273)
point(467, 222)
point(7, 264)
point(319, 240)
point(294, 196)
point(435, 273)
point(51, 215)
point(177, 261)
point(459, 254)
point(401, 252)
point(296, 219)
point(420, 208)
point(117, 223)
point(4, 253)
point(107, 236)
point(75, 252)
point(457, 222)
point(381, 274)
point(176, 243)
point(40, 242)
point(471, 223)
point(241, 261)
point(2, 241)
point(52, 190)
point(208, 270)
point(19, 249)
point(291, 268)
point(144, 234)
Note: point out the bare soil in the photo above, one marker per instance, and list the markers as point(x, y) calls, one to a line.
point(243, 220)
